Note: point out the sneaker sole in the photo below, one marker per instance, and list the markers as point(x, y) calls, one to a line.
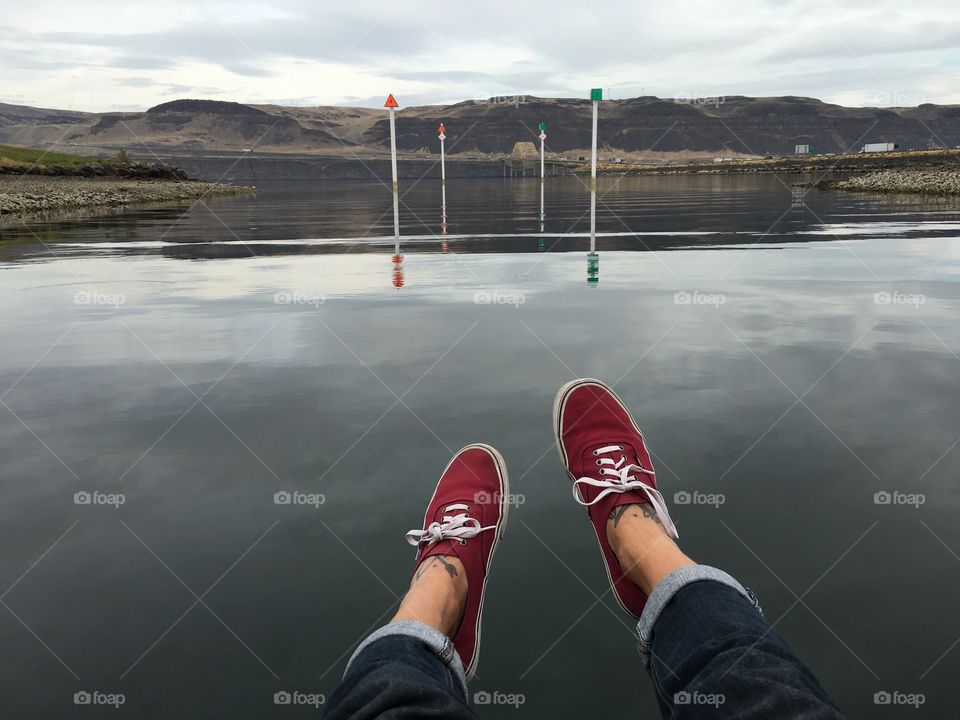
point(504, 512)
point(558, 403)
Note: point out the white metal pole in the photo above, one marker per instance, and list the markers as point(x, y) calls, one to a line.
point(593, 182)
point(443, 179)
point(396, 196)
point(543, 137)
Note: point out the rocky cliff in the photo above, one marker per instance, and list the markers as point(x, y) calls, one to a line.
point(757, 126)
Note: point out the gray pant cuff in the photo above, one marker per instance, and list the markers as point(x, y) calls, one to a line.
point(668, 587)
point(439, 644)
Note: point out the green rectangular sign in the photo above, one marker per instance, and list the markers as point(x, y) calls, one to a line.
point(596, 94)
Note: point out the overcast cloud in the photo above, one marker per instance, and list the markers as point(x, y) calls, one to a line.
point(112, 55)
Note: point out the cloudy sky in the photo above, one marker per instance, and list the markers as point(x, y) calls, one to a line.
point(125, 55)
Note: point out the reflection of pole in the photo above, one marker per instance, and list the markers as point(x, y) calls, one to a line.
point(392, 104)
point(397, 272)
point(596, 94)
point(443, 179)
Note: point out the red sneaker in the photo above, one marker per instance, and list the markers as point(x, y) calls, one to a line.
point(604, 453)
point(466, 517)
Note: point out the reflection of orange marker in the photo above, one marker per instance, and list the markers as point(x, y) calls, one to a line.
point(444, 246)
point(398, 271)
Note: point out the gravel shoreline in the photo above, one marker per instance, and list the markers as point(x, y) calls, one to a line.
point(23, 195)
point(927, 182)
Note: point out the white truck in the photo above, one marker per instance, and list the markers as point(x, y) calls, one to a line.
point(879, 147)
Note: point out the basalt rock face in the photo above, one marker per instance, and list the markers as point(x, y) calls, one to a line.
point(732, 124)
point(739, 124)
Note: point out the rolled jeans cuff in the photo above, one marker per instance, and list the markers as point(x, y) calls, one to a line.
point(668, 587)
point(438, 643)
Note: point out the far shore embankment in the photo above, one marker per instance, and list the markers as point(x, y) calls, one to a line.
point(943, 158)
point(923, 182)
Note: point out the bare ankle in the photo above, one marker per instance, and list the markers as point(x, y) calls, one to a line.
point(632, 524)
point(646, 553)
point(437, 594)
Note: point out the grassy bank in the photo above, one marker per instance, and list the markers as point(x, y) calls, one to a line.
point(21, 157)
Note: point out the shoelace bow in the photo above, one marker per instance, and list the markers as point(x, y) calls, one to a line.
point(623, 481)
point(460, 527)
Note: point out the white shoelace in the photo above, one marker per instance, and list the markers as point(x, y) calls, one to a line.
point(460, 527)
point(622, 481)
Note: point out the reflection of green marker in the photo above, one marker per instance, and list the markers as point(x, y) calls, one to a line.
point(542, 244)
point(593, 269)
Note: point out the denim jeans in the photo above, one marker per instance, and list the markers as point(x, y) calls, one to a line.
point(709, 650)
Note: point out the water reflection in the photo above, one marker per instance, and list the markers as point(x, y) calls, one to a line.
point(279, 331)
point(635, 214)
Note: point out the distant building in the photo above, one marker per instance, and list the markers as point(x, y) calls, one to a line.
point(525, 159)
point(803, 150)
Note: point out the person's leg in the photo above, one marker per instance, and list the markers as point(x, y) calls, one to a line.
point(412, 667)
point(703, 637)
point(405, 670)
point(705, 633)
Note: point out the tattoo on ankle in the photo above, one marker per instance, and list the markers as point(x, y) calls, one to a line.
point(430, 562)
point(649, 512)
point(448, 566)
point(620, 510)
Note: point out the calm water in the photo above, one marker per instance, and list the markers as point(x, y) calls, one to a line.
point(789, 356)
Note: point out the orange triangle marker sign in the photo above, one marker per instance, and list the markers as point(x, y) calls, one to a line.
point(391, 102)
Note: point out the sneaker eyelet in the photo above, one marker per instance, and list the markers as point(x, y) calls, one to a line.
point(595, 452)
point(598, 462)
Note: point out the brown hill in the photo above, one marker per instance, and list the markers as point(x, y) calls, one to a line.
point(733, 125)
